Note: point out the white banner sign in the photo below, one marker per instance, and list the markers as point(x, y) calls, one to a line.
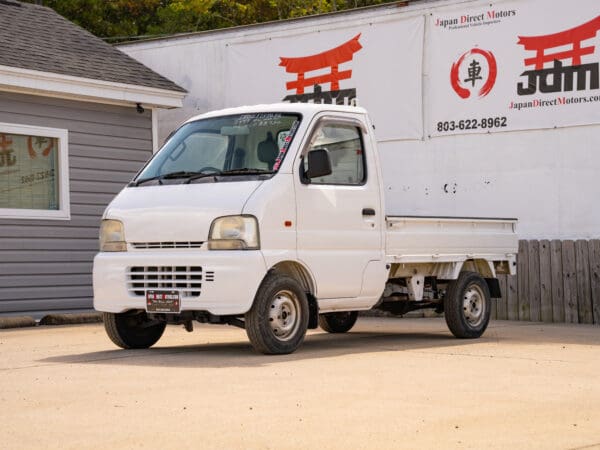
point(513, 65)
point(377, 64)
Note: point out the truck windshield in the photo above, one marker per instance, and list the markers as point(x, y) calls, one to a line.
point(245, 144)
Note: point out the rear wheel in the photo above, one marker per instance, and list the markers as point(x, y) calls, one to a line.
point(338, 322)
point(132, 329)
point(467, 306)
point(278, 319)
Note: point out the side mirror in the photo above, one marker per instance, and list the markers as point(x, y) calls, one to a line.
point(319, 163)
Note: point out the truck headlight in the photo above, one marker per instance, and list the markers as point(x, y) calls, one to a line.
point(112, 236)
point(234, 233)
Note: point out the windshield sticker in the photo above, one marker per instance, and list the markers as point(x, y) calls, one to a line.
point(281, 138)
point(260, 120)
point(286, 145)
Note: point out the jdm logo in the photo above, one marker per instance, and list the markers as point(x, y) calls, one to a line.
point(564, 51)
point(475, 70)
point(325, 67)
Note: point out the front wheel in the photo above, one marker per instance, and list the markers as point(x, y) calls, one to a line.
point(277, 322)
point(467, 306)
point(132, 329)
point(338, 322)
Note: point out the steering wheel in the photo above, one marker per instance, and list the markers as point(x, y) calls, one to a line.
point(209, 169)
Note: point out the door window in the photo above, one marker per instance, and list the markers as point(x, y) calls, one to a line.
point(345, 146)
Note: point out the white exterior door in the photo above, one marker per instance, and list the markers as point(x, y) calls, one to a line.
point(339, 216)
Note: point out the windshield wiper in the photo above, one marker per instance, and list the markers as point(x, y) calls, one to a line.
point(198, 175)
point(166, 176)
point(191, 176)
point(244, 171)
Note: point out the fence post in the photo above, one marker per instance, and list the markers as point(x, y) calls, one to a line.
point(545, 282)
point(523, 280)
point(595, 279)
point(584, 296)
point(501, 303)
point(569, 282)
point(556, 268)
point(535, 313)
point(513, 298)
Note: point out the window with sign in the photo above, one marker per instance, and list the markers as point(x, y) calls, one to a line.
point(33, 172)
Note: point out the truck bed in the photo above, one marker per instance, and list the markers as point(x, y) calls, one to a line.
point(414, 239)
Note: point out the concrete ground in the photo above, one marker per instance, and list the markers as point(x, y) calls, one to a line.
point(390, 383)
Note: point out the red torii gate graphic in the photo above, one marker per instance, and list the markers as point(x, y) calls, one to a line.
point(573, 37)
point(330, 58)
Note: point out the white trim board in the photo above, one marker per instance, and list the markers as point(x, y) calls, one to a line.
point(14, 79)
point(155, 143)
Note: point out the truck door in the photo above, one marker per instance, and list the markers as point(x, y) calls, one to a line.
point(339, 215)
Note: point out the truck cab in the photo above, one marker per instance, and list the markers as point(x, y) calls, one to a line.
point(272, 218)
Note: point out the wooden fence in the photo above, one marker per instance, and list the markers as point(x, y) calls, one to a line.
point(556, 281)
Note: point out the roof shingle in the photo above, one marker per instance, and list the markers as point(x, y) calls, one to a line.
point(37, 38)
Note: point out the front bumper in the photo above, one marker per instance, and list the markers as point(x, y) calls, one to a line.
point(227, 286)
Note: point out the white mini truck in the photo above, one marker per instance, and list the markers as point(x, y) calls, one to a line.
point(272, 218)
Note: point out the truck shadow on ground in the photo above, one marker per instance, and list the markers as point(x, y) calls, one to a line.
point(241, 354)
point(236, 351)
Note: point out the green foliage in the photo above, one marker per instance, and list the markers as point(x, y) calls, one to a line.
point(119, 20)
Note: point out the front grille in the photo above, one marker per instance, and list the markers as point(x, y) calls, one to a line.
point(157, 245)
point(186, 279)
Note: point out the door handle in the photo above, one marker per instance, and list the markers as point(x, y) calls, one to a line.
point(368, 212)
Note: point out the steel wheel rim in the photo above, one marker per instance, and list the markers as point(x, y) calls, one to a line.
point(284, 315)
point(474, 305)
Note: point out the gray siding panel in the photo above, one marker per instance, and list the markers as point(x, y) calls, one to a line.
point(78, 210)
point(75, 222)
point(92, 199)
point(43, 281)
point(106, 142)
point(26, 306)
point(19, 232)
point(111, 152)
point(96, 175)
point(80, 127)
point(46, 294)
point(107, 187)
point(43, 243)
point(42, 257)
point(108, 165)
point(55, 268)
point(37, 109)
point(46, 265)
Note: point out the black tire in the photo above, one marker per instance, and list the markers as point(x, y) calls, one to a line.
point(338, 322)
point(467, 306)
point(277, 322)
point(132, 330)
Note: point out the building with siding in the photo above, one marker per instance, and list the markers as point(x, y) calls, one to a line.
point(77, 121)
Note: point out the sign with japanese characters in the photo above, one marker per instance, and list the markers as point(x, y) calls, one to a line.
point(28, 172)
point(513, 66)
